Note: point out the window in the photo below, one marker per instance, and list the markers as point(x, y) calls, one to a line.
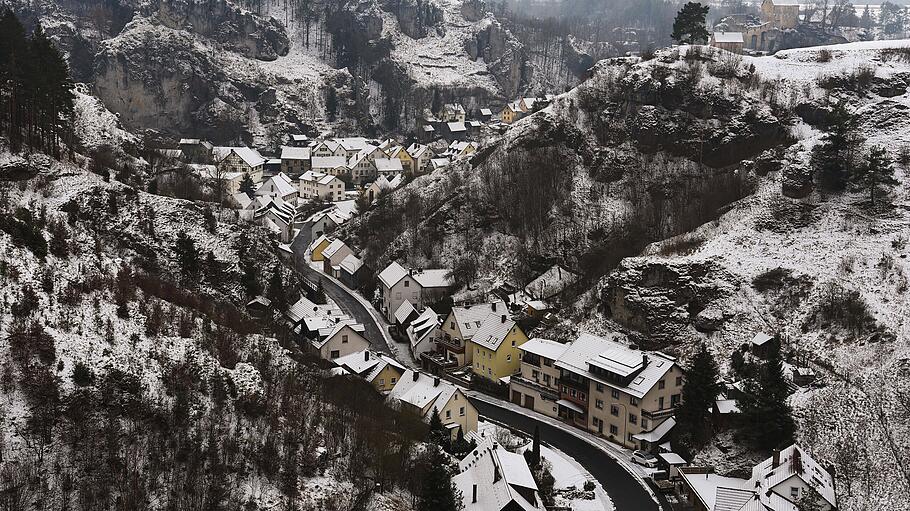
point(600, 387)
point(633, 401)
point(614, 410)
point(334, 354)
point(398, 296)
point(660, 403)
point(644, 423)
point(614, 430)
point(407, 283)
point(448, 414)
point(344, 339)
point(629, 437)
point(599, 404)
point(452, 325)
point(675, 399)
point(513, 343)
point(489, 372)
point(614, 393)
point(382, 381)
point(547, 362)
point(392, 381)
point(535, 374)
point(572, 392)
point(661, 384)
point(633, 418)
point(794, 492)
point(477, 351)
point(461, 411)
point(678, 381)
point(583, 396)
point(546, 379)
point(509, 357)
point(467, 326)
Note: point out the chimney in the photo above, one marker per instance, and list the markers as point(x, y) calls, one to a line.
point(493, 305)
point(644, 360)
point(366, 356)
point(436, 381)
point(503, 318)
point(416, 375)
point(775, 459)
point(474, 495)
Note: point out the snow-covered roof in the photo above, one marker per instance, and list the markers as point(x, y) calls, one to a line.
point(486, 111)
point(551, 282)
point(388, 165)
point(417, 150)
point(544, 348)
point(439, 162)
point(586, 350)
point(189, 141)
point(392, 274)
point(725, 406)
point(404, 311)
point(422, 326)
point(658, 433)
point(339, 324)
point(242, 199)
point(318, 241)
point(500, 478)
point(279, 184)
point(671, 458)
point(470, 318)
point(249, 156)
point(456, 127)
point(328, 162)
point(493, 331)
point(728, 37)
point(422, 391)
point(794, 462)
point(295, 153)
point(351, 264)
point(761, 339)
point(367, 363)
point(333, 248)
point(436, 277)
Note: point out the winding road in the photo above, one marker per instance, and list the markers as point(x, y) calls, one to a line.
point(624, 489)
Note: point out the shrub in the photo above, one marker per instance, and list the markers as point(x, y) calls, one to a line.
point(823, 55)
point(82, 375)
point(771, 279)
point(857, 81)
point(682, 245)
point(845, 308)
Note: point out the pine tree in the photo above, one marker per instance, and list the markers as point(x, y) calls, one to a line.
point(246, 185)
point(698, 396)
point(875, 174)
point(276, 292)
point(331, 104)
point(767, 417)
point(689, 26)
point(187, 255)
point(59, 244)
point(438, 492)
point(833, 160)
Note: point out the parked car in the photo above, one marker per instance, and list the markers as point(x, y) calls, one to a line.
point(644, 459)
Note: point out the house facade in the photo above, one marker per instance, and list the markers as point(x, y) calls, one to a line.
point(341, 339)
point(316, 185)
point(240, 159)
point(295, 160)
point(730, 41)
point(781, 14)
point(495, 347)
point(460, 326)
point(423, 393)
point(536, 387)
point(420, 287)
point(332, 256)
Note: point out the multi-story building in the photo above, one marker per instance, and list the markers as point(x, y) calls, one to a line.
point(536, 387)
point(460, 326)
point(240, 159)
point(420, 287)
point(604, 387)
point(316, 185)
point(494, 348)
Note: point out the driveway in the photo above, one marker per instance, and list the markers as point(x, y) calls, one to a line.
point(624, 489)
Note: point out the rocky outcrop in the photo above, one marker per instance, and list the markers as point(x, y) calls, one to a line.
point(416, 17)
point(504, 55)
point(662, 299)
point(474, 10)
point(237, 29)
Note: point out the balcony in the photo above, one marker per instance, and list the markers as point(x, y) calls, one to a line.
point(658, 414)
point(550, 392)
point(572, 384)
point(451, 345)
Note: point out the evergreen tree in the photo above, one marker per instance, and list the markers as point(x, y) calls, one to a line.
point(875, 174)
point(833, 160)
point(436, 106)
point(438, 492)
point(59, 244)
point(246, 185)
point(276, 292)
point(535, 447)
point(249, 279)
point(892, 18)
point(767, 417)
point(866, 19)
point(698, 396)
point(187, 255)
point(331, 104)
point(438, 434)
point(689, 26)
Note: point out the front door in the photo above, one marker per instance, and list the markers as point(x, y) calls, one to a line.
point(529, 401)
point(516, 397)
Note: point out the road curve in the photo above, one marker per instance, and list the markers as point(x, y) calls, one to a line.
point(623, 488)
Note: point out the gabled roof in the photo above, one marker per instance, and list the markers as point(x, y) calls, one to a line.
point(392, 274)
point(327, 333)
point(422, 326)
point(469, 318)
point(318, 241)
point(404, 311)
point(794, 462)
point(333, 247)
point(761, 339)
point(493, 331)
point(295, 153)
point(280, 183)
point(351, 264)
point(502, 479)
point(456, 127)
point(242, 199)
point(249, 156)
point(328, 162)
point(486, 111)
point(658, 433)
point(367, 363)
point(551, 282)
point(417, 150)
point(427, 392)
point(388, 165)
point(438, 277)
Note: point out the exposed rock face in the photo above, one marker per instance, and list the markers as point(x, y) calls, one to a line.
point(473, 10)
point(804, 36)
point(237, 29)
point(416, 17)
point(663, 299)
point(504, 55)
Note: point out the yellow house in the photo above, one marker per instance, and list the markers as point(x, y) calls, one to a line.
point(377, 369)
point(407, 162)
point(495, 347)
point(318, 246)
point(423, 393)
point(510, 113)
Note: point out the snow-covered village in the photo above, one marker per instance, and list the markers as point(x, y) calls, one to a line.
point(454, 255)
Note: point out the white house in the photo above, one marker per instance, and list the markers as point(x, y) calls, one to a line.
point(341, 339)
point(332, 165)
point(279, 185)
point(424, 333)
point(420, 287)
point(423, 394)
point(388, 166)
point(316, 185)
point(240, 159)
point(295, 160)
point(491, 478)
